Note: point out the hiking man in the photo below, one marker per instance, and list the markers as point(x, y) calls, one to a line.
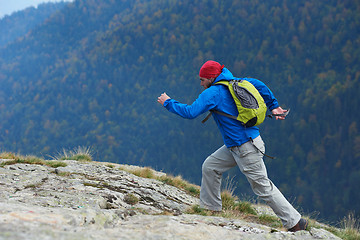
point(243, 145)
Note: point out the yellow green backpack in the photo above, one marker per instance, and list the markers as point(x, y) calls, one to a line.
point(250, 104)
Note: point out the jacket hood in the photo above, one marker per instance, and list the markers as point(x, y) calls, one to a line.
point(224, 75)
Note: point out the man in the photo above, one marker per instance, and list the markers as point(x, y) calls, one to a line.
point(243, 146)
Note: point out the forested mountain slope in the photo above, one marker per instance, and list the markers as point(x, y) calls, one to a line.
point(91, 74)
point(21, 22)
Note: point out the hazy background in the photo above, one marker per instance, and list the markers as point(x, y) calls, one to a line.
point(88, 73)
point(9, 6)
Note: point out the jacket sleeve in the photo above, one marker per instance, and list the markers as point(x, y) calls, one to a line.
point(203, 103)
point(269, 98)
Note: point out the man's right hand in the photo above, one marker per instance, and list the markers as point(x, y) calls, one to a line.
point(279, 110)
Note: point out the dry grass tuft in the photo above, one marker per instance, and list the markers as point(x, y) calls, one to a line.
point(82, 154)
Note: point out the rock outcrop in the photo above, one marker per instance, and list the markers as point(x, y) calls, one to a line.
point(93, 200)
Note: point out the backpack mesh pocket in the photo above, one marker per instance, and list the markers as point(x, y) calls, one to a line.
point(246, 98)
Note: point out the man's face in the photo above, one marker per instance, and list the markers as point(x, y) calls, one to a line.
point(206, 82)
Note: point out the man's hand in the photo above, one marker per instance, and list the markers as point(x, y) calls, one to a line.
point(163, 97)
point(279, 110)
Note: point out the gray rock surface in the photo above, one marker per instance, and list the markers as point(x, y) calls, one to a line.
point(88, 201)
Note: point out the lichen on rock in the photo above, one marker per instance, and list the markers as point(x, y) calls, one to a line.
point(94, 200)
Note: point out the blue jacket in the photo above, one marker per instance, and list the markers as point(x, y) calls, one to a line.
point(218, 97)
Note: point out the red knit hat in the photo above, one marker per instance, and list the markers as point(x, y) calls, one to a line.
point(210, 69)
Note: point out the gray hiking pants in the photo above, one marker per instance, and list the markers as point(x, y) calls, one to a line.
point(251, 164)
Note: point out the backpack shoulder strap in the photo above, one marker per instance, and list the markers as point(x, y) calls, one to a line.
point(218, 112)
point(227, 84)
point(207, 117)
point(223, 82)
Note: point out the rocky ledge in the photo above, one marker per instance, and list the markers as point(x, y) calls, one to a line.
point(94, 200)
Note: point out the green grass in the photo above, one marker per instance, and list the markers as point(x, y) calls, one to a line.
point(270, 220)
point(145, 172)
point(55, 164)
point(232, 207)
point(349, 234)
point(245, 207)
point(33, 185)
point(63, 174)
point(350, 228)
point(180, 183)
point(177, 181)
point(95, 185)
point(235, 209)
point(196, 209)
point(131, 199)
point(16, 158)
point(194, 191)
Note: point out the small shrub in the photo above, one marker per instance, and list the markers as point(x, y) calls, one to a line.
point(245, 207)
point(131, 199)
point(193, 190)
point(144, 173)
point(196, 209)
point(55, 164)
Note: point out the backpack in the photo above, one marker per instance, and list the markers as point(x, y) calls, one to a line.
point(250, 104)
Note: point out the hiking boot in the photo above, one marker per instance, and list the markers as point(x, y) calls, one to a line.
point(301, 225)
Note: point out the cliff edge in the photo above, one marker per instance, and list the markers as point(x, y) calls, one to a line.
point(95, 200)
